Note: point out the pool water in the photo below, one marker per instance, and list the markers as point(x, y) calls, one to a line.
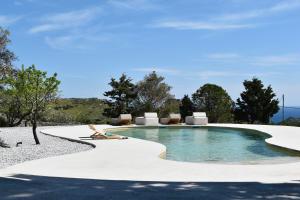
point(212, 144)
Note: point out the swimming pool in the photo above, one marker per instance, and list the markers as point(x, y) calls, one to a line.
point(213, 144)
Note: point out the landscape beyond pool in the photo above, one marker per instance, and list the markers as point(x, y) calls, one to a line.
point(213, 144)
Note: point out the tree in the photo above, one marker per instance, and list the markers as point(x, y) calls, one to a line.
point(171, 106)
point(7, 103)
point(291, 121)
point(121, 96)
point(257, 103)
point(11, 106)
point(215, 101)
point(6, 56)
point(34, 90)
point(186, 107)
point(152, 94)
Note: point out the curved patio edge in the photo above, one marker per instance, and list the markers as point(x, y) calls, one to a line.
point(69, 139)
point(135, 159)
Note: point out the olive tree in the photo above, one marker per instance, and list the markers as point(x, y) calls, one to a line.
point(152, 94)
point(34, 91)
point(6, 56)
point(215, 101)
point(170, 106)
point(8, 104)
point(11, 107)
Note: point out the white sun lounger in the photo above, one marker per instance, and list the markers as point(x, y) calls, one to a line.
point(198, 118)
point(123, 119)
point(149, 119)
point(172, 119)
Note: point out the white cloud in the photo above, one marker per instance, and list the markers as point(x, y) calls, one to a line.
point(204, 74)
point(8, 20)
point(21, 2)
point(283, 6)
point(286, 6)
point(277, 60)
point(59, 42)
point(74, 41)
point(45, 27)
point(66, 20)
point(267, 60)
point(199, 25)
point(210, 74)
point(229, 21)
point(219, 74)
point(133, 4)
point(223, 56)
point(158, 69)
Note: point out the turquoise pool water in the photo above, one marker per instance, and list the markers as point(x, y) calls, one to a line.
point(212, 144)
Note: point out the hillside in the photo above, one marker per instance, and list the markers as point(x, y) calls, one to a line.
point(75, 111)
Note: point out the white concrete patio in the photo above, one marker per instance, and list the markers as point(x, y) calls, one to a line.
point(138, 160)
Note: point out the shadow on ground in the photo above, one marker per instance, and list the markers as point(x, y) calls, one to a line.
point(40, 187)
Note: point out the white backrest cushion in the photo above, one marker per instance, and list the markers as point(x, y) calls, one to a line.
point(125, 116)
point(174, 116)
point(150, 115)
point(199, 114)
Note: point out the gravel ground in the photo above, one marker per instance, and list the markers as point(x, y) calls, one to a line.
point(50, 146)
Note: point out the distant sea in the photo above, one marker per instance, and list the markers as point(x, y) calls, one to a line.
point(288, 112)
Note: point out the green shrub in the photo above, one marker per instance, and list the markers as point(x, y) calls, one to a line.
point(76, 111)
point(3, 122)
point(291, 122)
point(3, 144)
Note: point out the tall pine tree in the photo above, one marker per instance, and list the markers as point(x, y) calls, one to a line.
point(121, 95)
point(257, 104)
point(186, 107)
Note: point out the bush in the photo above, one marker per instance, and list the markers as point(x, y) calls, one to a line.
point(3, 144)
point(291, 122)
point(75, 111)
point(3, 122)
point(215, 101)
point(186, 107)
point(171, 106)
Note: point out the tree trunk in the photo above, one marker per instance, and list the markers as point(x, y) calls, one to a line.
point(34, 126)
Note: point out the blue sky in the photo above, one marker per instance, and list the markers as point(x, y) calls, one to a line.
point(190, 42)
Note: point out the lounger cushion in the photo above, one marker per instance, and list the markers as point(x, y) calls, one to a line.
point(200, 121)
point(146, 121)
point(150, 115)
point(164, 120)
point(151, 121)
point(190, 120)
point(125, 116)
point(174, 116)
point(199, 114)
